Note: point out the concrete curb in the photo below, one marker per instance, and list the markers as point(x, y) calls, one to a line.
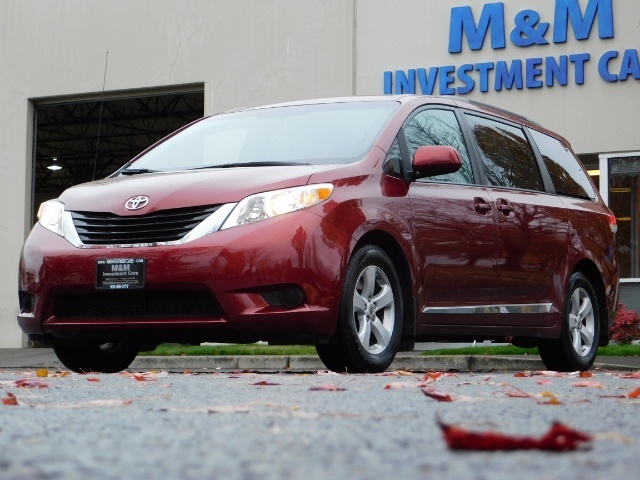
point(44, 358)
point(309, 363)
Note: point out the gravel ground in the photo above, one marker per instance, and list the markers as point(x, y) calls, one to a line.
point(228, 426)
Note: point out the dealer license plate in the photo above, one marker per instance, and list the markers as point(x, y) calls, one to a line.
point(120, 273)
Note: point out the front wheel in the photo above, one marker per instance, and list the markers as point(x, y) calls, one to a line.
point(103, 357)
point(370, 321)
point(578, 344)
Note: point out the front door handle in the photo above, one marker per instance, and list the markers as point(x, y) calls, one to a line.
point(504, 206)
point(481, 205)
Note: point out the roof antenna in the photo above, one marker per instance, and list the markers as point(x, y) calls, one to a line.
point(104, 82)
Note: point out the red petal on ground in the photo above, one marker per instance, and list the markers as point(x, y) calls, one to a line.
point(327, 387)
point(437, 395)
point(264, 383)
point(93, 379)
point(635, 393)
point(522, 374)
point(586, 374)
point(559, 438)
point(630, 375)
point(25, 383)
point(588, 384)
point(10, 399)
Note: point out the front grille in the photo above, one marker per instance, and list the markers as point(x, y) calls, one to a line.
point(95, 228)
point(141, 304)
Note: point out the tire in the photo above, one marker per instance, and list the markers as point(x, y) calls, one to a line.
point(370, 319)
point(577, 346)
point(104, 357)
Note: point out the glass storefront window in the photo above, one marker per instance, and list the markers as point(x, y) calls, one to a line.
point(624, 182)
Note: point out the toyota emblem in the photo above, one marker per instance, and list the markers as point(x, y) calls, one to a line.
point(136, 203)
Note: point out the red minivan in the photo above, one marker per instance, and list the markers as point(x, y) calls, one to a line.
point(358, 225)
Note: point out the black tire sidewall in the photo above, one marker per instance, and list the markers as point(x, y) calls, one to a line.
point(92, 358)
point(579, 280)
point(358, 357)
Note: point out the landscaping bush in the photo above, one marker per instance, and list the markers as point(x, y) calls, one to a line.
point(625, 327)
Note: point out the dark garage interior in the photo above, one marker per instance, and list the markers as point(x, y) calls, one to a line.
point(77, 141)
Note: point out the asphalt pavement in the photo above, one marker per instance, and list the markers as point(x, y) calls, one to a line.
point(316, 426)
point(45, 358)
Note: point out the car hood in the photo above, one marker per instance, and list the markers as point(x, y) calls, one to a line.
point(184, 189)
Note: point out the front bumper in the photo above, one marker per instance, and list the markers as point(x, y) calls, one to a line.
point(237, 273)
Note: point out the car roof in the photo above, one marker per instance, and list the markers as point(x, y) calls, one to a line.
point(416, 101)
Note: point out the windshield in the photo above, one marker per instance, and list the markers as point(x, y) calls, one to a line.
point(302, 134)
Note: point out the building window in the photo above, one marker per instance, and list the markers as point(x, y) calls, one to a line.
point(624, 182)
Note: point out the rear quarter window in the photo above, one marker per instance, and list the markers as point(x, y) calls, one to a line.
point(567, 175)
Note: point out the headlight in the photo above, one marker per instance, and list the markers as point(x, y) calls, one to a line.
point(50, 216)
point(278, 202)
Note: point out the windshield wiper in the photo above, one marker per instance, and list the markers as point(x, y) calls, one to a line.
point(251, 164)
point(137, 171)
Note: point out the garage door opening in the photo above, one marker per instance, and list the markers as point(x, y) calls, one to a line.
point(72, 141)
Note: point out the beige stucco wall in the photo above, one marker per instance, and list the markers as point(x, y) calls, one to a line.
point(249, 52)
point(595, 117)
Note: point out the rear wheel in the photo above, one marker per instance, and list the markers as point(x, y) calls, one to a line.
point(370, 321)
point(103, 357)
point(578, 344)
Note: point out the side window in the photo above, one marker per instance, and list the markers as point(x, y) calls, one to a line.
point(506, 154)
point(393, 162)
point(439, 127)
point(567, 175)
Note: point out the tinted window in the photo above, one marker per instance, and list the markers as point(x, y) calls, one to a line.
point(439, 127)
point(567, 175)
point(506, 154)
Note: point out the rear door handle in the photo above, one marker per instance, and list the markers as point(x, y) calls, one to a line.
point(481, 205)
point(504, 206)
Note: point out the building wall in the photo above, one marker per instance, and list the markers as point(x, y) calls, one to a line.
point(247, 52)
point(597, 116)
point(250, 52)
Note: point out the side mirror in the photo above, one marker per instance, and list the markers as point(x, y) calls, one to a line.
point(429, 161)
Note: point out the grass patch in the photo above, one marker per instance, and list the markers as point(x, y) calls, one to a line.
point(608, 351)
point(174, 349)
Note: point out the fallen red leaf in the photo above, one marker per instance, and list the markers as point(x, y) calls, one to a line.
point(398, 385)
point(327, 387)
point(559, 438)
point(522, 374)
point(517, 394)
point(634, 394)
point(26, 383)
point(437, 395)
point(140, 377)
point(433, 375)
point(586, 374)
point(264, 383)
point(630, 375)
point(588, 384)
point(10, 399)
point(93, 379)
point(544, 381)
